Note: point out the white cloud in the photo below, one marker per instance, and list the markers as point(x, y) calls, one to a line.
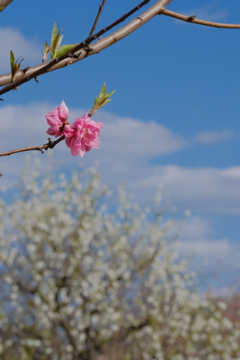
point(135, 139)
point(11, 39)
point(215, 260)
point(210, 190)
point(212, 250)
point(195, 228)
point(21, 126)
point(213, 137)
point(125, 155)
point(124, 141)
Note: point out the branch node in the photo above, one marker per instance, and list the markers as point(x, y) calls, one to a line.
point(73, 56)
point(191, 18)
point(50, 144)
point(37, 80)
point(25, 69)
point(88, 49)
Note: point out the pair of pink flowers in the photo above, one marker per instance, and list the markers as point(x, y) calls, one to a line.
point(80, 137)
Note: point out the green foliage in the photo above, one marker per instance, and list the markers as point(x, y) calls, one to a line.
point(55, 48)
point(56, 40)
point(102, 99)
point(15, 65)
point(46, 51)
point(65, 48)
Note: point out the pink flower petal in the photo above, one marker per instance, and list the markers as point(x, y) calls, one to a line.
point(85, 137)
point(56, 119)
point(63, 112)
point(52, 118)
point(68, 131)
point(51, 131)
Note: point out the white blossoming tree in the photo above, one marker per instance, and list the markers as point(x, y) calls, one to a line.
point(79, 282)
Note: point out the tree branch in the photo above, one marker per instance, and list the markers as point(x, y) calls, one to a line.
point(193, 20)
point(50, 145)
point(4, 4)
point(86, 51)
point(97, 18)
point(71, 339)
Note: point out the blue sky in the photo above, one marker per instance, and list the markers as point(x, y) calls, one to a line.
point(174, 119)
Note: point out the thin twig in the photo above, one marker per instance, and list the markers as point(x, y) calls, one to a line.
point(49, 145)
point(193, 20)
point(84, 44)
point(97, 18)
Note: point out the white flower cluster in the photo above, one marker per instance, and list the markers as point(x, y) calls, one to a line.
point(81, 282)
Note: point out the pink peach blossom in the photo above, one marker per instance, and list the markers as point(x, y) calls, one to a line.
point(85, 137)
point(57, 119)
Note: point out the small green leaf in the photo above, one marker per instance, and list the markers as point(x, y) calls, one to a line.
point(46, 46)
point(102, 99)
point(54, 33)
point(101, 95)
point(56, 40)
point(15, 65)
point(64, 49)
point(1, 8)
point(55, 48)
point(57, 43)
point(46, 51)
point(12, 59)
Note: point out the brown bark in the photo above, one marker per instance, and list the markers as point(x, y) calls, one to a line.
point(24, 76)
point(4, 4)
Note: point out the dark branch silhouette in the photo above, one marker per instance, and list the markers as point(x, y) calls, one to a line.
point(83, 45)
point(49, 145)
point(97, 18)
